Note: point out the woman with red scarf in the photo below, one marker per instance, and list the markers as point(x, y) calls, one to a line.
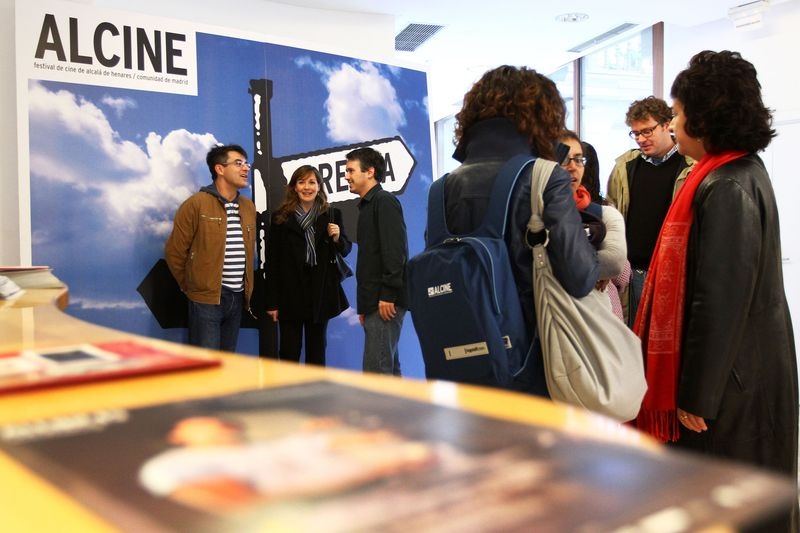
point(604, 224)
point(715, 326)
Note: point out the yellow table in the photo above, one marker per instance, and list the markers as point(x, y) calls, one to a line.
point(30, 503)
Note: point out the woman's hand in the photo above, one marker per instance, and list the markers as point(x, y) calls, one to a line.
point(333, 232)
point(693, 422)
point(273, 314)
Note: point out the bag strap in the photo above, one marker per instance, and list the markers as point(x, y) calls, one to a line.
point(596, 210)
point(332, 220)
point(494, 223)
point(542, 170)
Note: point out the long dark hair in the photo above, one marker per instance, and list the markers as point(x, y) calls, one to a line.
point(591, 173)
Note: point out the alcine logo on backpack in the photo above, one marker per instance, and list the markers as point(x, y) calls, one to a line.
point(439, 290)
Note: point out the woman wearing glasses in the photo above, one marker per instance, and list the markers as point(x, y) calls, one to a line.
point(303, 287)
point(714, 321)
point(604, 224)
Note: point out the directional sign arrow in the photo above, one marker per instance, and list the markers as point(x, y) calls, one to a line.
point(331, 163)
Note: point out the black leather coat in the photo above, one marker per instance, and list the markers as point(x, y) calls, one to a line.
point(297, 291)
point(739, 367)
point(483, 151)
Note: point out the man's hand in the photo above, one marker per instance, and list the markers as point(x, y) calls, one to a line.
point(386, 310)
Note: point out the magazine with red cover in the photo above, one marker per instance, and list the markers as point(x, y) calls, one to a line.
point(66, 365)
point(328, 457)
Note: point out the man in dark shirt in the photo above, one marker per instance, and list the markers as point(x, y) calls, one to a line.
point(381, 264)
point(642, 185)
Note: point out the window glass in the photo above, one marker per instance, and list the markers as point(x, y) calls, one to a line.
point(443, 130)
point(564, 78)
point(613, 77)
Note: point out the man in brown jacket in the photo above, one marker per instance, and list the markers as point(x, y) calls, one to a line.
point(210, 251)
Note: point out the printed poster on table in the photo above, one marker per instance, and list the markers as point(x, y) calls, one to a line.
point(327, 457)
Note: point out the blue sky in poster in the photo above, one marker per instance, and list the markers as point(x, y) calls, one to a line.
point(110, 166)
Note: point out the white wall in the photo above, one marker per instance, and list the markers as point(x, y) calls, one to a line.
point(368, 36)
point(9, 189)
point(772, 51)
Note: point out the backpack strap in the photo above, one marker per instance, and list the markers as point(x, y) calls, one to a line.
point(494, 223)
point(436, 230)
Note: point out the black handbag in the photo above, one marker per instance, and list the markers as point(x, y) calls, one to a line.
point(341, 265)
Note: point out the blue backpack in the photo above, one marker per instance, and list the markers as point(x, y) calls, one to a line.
point(462, 295)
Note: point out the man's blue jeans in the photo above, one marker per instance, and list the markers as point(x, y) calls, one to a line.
point(381, 337)
point(216, 326)
point(635, 289)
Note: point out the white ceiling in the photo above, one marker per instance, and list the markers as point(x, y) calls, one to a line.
point(481, 34)
point(485, 30)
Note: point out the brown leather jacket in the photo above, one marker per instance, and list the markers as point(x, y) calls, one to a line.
point(195, 250)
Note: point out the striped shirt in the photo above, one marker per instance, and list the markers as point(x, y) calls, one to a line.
point(233, 266)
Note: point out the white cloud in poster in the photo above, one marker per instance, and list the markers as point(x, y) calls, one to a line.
point(119, 105)
point(150, 200)
point(64, 113)
point(138, 188)
point(106, 305)
point(362, 104)
point(351, 316)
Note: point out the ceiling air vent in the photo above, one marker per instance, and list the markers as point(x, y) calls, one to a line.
point(594, 41)
point(413, 36)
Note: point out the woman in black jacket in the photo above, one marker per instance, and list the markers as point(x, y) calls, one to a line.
point(303, 285)
point(715, 327)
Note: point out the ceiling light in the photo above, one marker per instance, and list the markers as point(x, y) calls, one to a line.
point(572, 17)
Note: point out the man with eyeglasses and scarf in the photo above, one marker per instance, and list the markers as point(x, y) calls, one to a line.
point(642, 185)
point(210, 251)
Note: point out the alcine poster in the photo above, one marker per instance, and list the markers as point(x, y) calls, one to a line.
point(117, 113)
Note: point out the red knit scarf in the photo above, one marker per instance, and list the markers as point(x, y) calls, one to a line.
point(659, 320)
point(582, 198)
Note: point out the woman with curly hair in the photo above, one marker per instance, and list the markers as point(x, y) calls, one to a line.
point(512, 111)
point(303, 286)
point(714, 322)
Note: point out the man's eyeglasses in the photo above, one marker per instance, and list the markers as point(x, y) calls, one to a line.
point(578, 160)
point(645, 132)
point(238, 162)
